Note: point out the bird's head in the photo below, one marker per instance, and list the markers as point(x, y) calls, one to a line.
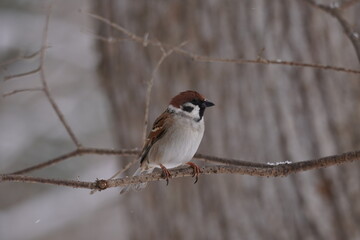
point(190, 103)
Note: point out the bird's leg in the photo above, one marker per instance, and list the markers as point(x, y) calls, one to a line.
point(197, 170)
point(166, 173)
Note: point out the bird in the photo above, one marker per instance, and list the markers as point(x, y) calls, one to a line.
point(174, 138)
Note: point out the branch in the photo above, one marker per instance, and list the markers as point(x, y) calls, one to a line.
point(46, 88)
point(200, 58)
point(335, 11)
point(79, 152)
point(124, 152)
point(6, 78)
point(20, 57)
point(107, 39)
point(164, 55)
point(22, 90)
point(258, 169)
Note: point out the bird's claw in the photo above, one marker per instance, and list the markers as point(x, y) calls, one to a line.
point(165, 173)
point(197, 170)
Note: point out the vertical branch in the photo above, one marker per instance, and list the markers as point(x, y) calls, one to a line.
point(148, 94)
point(335, 11)
point(151, 82)
point(45, 85)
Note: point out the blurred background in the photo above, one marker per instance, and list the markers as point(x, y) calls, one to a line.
point(263, 113)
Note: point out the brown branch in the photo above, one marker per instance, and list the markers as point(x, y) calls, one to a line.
point(148, 95)
point(107, 39)
point(6, 78)
point(128, 152)
point(335, 11)
point(259, 169)
point(46, 88)
point(200, 58)
point(20, 57)
point(150, 83)
point(124, 152)
point(232, 162)
point(79, 152)
point(22, 90)
point(29, 179)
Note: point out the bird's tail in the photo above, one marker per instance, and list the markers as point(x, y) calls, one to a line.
point(139, 186)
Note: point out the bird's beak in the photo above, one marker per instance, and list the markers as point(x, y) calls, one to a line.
point(207, 103)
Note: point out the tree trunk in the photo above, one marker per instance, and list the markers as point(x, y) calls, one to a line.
point(263, 113)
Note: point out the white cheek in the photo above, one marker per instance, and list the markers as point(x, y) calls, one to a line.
point(195, 113)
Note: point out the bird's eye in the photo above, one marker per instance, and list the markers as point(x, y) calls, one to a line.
point(187, 108)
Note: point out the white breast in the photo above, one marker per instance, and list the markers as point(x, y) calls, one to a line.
point(178, 145)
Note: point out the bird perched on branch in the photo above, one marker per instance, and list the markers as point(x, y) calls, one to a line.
point(175, 137)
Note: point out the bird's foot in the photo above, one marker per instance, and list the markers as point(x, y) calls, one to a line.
point(197, 170)
point(166, 173)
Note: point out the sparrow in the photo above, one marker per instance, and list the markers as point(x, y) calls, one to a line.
point(175, 137)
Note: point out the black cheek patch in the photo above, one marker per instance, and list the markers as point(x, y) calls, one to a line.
point(188, 108)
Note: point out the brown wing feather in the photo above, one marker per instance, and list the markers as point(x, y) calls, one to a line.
point(158, 130)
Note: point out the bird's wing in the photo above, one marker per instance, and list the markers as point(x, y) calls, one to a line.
point(158, 130)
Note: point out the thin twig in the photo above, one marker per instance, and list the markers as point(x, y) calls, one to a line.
point(79, 152)
point(201, 58)
point(127, 166)
point(260, 170)
point(20, 57)
point(227, 161)
point(29, 179)
point(124, 152)
point(9, 77)
point(107, 39)
point(335, 11)
point(22, 90)
point(46, 88)
point(150, 84)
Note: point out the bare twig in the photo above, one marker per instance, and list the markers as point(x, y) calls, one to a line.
point(20, 57)
point(125, 152)
point(201, 58)
point(107, 39)
point(260, 170)
point(79, 152)
point(6, 78)
point(129, 152)
point(150, 84)
point(335, 11)
point(28, 179)
point(46, 88)
point(227, 161)
point(22, 90)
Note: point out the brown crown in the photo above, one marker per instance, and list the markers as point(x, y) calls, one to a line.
point(184, 97)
